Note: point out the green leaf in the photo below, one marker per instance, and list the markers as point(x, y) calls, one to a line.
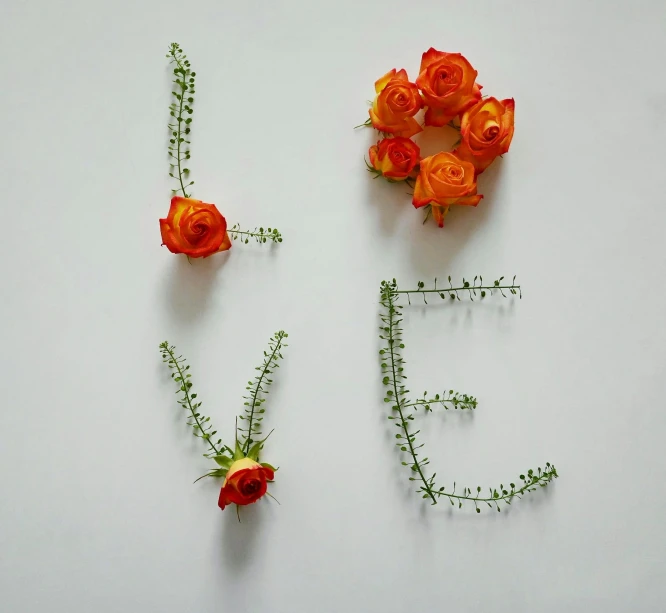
point(218, 473)
point(238, 453)
point(223, 460)
point(253, 454)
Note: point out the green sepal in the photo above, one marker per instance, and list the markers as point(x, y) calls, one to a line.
point(218, 472)
point(224, 461)
point(267, 465)
point(238, 454)
point(253, 454)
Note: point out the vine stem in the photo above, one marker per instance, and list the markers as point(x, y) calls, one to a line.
point(267, 364)
point(247, 233)
point(187, 397)
point(546, 476)
point(398, 400)
point(179, 121)
point(431, 401)
point(455, 289)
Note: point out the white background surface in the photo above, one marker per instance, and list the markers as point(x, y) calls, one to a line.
point(98, 511)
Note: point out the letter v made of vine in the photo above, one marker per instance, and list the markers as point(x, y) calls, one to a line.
point(403, 409)
point(248, 439)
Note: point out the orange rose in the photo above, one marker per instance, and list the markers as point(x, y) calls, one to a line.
point(443, 180)
point(194, 228)
point(395, 158)
point(395, 105)
point(245, 483)
point(486, 130)
point(447, 82)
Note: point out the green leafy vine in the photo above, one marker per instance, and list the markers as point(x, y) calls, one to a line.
point(254, 411)
point(402, 410)
point(258, 234)
point(248, 445)
point(179, 143)
point(180, 127)
point(199, 423)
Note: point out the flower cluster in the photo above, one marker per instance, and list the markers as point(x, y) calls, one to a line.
point(447, 89)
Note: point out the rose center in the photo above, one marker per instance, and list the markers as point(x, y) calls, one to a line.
point(453, 173)
point(447, 78)
point(490, 131)
point(252, 486)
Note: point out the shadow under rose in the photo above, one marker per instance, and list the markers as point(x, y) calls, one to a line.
point(394, 199)
point(190, 285)
point(239, 539)
point(433, 248)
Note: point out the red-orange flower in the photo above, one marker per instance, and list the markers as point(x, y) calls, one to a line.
point(395, 158)
point(448, 84)
point(443, 180)
point(245, 483)
point(194, 228)
point(395, 105)
point(486, 130)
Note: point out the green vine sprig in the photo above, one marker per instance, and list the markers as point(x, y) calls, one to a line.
point(367, 123)
point(257, 389)
point(180, 127)
point(180, 110)
point(402, 410)
point(473, 289)
point(447, 399)
point(199, 423)
point(258, 234)
point(249, 444)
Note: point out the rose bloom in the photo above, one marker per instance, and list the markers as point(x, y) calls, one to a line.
point(395, 105)
point(486, 130)
point(194, 228)
point(395, 158)
point(443, 180)
point(448, 84)
point(245, 483)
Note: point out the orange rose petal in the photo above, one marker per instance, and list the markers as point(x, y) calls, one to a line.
point(439, 213)
point(372, 153)
point(167, 235)
point(222, 501)
point(430, 56)
point(381, 83)
point(422, 196)
point(438, 117)
point(226, 243)
point(402, 75)
point(377, 123)
point(468, 200)
point(409, 128)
